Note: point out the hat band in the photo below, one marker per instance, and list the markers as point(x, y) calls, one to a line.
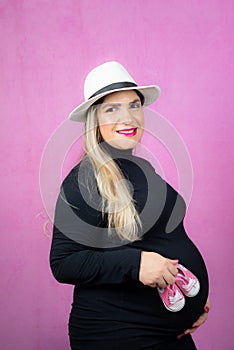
point(114, 86)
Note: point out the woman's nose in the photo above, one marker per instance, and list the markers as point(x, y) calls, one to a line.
point(126, 115)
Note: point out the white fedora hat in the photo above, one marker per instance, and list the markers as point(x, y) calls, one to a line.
point(105, 79)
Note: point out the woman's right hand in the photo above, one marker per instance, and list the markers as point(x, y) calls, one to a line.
point(157, 271)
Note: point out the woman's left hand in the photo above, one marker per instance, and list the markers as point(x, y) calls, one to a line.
point(199, 322)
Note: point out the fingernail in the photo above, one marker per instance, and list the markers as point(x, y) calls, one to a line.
point(207, 309)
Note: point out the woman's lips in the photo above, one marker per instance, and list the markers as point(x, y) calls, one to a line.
point(127, 132)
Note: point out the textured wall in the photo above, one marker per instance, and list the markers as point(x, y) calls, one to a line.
point(47, 48)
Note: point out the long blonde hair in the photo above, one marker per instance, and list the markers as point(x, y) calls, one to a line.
point(117, 200)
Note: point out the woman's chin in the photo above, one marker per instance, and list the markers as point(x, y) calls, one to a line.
point(127, 143)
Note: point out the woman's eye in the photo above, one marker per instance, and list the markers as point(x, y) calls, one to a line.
point(110, 110)
point(135, 105)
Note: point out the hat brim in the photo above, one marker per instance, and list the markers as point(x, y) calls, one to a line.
point(150, 93)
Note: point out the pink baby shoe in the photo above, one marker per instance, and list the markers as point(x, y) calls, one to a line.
point(172, 297)
point(187, 281)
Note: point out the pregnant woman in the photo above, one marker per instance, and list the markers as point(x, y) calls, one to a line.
point(118, 231)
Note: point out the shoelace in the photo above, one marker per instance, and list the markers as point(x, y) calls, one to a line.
point(175, 298)
point(190, 284)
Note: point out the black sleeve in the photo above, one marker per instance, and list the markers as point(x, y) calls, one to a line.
point(75, 263)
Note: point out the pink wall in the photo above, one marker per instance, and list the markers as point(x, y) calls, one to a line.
point(47, 48)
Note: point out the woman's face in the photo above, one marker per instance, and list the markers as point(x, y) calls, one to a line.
point(121, 119)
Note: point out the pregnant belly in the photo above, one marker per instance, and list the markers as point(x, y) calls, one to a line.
point(138, 308)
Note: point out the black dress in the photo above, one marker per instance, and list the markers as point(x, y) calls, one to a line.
point(111, 308)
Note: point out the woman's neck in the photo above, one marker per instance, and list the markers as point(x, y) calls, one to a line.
point(116, 152)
